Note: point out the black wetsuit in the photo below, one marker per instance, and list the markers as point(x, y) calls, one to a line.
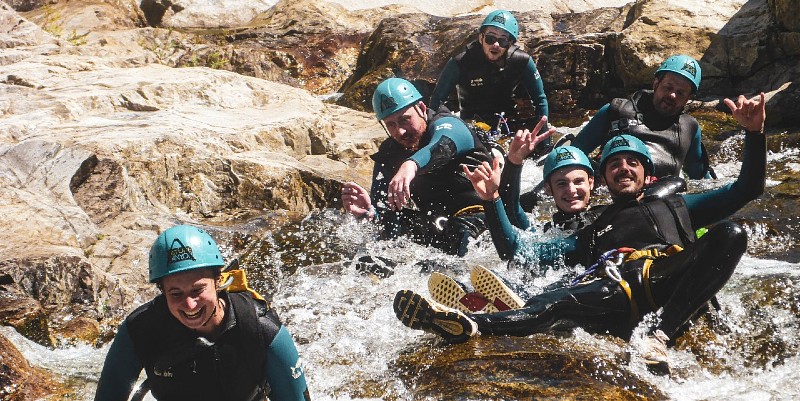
point(485, 89)
point(681, 283)
point(440, 189)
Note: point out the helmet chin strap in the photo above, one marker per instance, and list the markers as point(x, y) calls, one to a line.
point(220, 304)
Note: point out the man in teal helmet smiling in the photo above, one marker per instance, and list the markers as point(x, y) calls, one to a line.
point(657, 117)
point(492, 74)
point(197, 340)
point(417, 178)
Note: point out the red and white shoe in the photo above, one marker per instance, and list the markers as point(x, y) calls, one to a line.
point(447, 291)
point(494, 289)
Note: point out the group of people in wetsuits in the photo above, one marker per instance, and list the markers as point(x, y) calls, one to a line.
point(209, 336)
point(641, 252)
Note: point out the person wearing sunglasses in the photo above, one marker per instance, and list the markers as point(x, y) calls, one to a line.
point(492, 75)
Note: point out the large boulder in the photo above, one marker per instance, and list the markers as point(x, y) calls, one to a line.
point(98, 154)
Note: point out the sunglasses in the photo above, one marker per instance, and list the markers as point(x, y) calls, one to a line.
point(491, 39)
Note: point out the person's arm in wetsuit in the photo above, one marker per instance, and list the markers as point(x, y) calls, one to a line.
point(445, 84)
point(451, 138)
point(712, 206)
point(532, 82)
point(593, 134)
point(121, 369)
point(694, 165)
point(284, 369)
point(509, 193)
point(509, 243)
point(522, 145)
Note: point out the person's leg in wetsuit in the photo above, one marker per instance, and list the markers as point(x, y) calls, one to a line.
point(597, 306)
point(685, 282)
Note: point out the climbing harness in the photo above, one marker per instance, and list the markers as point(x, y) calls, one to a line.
point(609, 263)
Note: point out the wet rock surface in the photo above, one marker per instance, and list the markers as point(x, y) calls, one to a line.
point(537, 367)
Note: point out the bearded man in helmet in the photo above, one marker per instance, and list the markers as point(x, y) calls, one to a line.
point(641, 254)
point(418, 185)
point(492, 75)
point(197, 340)
point(657, 117)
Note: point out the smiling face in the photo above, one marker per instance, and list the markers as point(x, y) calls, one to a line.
point(495, 51)
point(624, 175)
point(407, 125)
point(192, 299)
point(571, 188)
point(670, 93)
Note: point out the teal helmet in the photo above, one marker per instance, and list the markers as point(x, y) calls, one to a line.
point(182, 248)
point(566, 156)
point(627, 143)
point(504, 20)
point(392, 95)
point(684, 66)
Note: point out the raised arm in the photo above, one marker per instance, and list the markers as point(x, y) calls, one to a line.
point(522, 145)
point(712, 206)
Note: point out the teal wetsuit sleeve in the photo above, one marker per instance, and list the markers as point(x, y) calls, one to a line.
point(712, 206)
point(284, 369)
point(532, 82)
point(450, 138)
point(594, 132)
point(694, 165)
point(509, 243)
point(509, 192)
point(445, 84)
point(120, 370)
point(504, 237)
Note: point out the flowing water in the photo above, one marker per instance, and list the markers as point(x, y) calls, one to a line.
point(353, 345)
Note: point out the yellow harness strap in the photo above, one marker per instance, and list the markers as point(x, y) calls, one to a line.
point(634, 307)
point(650, 255)
point(239, 283)
point(469, 210)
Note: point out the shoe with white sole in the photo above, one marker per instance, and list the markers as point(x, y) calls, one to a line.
point(494, 289)
point(452, 294)
point(418, 312)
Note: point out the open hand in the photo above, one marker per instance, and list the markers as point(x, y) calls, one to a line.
point(400, 186)
point(355, 200)
point(486, 179)
point(525, 142)
point(749, 113)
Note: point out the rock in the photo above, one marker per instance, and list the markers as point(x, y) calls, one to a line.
point(73, 21)
point(543, 367)
point(785, 13)
point(21, 381)
point(201, 14)
point(24, 314)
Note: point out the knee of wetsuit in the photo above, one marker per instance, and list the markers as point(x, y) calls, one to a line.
point(728, 235)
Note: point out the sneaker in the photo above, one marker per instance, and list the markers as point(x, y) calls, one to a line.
point(655, 352)
point(494, 289)
point(452, 294)
point(417, 312)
